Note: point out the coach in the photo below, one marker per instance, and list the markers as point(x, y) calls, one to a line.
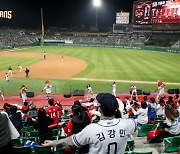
point(109, 135)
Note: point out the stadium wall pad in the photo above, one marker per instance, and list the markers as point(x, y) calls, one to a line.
point(151, 48)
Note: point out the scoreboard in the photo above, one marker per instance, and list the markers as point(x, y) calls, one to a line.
point(122, 18)
point(156, 11)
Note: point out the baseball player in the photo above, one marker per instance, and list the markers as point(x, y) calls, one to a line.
point(20, 68)
point(7, 77)
point(48, 89)
point(133, 90)
point(44, 55)
point(10, 70)
point(109, 135)
point(2, 95)
point(160, 89)
point(114, 89)
point(23, 90)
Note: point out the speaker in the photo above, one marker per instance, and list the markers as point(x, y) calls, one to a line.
point(78, 93)
point(30, 94)
point(67, 95)
point(146, 92)
point(173, 91)
point(139, 91)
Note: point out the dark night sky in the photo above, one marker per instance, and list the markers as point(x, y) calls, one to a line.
point(62, 13)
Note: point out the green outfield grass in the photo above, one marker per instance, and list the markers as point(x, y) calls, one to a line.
point(103, 63)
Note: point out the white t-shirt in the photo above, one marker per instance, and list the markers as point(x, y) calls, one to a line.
point(160, 110)
point(106, 136)
point(142, 115)
point(174, 126)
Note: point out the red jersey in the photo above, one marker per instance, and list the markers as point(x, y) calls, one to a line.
point(160, 84)
point(53, 112)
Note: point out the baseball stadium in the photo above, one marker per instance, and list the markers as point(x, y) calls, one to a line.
point(135, 60)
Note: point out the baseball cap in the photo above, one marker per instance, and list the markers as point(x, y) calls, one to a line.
point(108, 103)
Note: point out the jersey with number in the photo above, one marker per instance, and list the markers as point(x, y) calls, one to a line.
point(53, 112)
point(108, 136)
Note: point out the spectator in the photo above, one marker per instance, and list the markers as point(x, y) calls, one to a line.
point(135, 106)
point(79, 120)
point(142, 114)
point(172, 125)
point(6, 107)
point(178, 106)
point(160, 107)
point(5, 138)
point(152, 110)
point(42, 124)
point(16, 118)
point(176, 99)
point(25, 107)
point(109, 135)
point(53, 111)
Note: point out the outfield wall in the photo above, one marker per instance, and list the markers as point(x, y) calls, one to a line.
point(152, 48)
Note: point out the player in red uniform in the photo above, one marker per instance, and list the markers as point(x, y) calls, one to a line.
point(53, 111)
point(160, 89)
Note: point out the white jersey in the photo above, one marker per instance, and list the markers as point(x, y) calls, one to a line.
point(20, 68)
point(114, 89)
point(174, 126)
point(6, 77)
point(89, 90)
point(142, 115)
point(48, 89)
point(133, 89)
point(108, 136)
point(160, 110)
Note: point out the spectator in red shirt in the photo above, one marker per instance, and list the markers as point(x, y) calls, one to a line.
point(176, 99)
point(53, 111)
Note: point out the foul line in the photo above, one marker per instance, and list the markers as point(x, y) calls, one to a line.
point(122, 81)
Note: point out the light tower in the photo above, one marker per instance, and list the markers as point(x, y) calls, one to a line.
point(97, 3)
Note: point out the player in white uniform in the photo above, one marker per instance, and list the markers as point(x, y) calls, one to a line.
point(89, 92)
point(114, 89)
point(7, 77)
point(48, 89)
point(20, 68)
point(109, 135)
point(2, 95)
point(133, 90)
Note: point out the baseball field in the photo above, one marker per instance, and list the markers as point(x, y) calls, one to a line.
point(88, 65)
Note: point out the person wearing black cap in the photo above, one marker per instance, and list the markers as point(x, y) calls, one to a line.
point(109, 135)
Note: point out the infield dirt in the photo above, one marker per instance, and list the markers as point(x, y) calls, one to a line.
point(51, 68)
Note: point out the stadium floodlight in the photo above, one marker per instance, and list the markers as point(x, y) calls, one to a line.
point(97, 3)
